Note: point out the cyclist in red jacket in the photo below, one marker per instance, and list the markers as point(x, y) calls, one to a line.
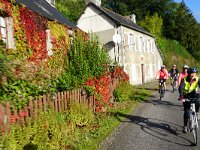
point(162, 74)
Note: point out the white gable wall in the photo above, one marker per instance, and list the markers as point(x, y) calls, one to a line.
point(93, 21)
point(137, 52)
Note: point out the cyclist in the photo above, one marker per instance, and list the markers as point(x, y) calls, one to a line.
point(189, 88)
point(162, 74)
point(173, 73)
point(182, 75)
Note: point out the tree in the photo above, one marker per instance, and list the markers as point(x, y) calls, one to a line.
point(153, 24)
point(71, 9)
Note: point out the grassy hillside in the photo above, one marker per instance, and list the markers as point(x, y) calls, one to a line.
point(174, 53)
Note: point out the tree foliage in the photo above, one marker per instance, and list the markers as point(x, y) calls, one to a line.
point(71, 8)
point(153, 24)
point(178, 21)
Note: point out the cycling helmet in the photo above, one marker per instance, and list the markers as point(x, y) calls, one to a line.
point(174, 66)
point(185, 67)
point(192, 70)
point(163, 66)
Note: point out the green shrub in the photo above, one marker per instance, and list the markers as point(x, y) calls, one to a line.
point(123, 92)
point(48, 132)
point(81, 115)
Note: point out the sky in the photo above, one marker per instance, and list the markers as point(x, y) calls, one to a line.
point(194, 6)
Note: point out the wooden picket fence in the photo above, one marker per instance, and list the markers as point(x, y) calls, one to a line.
point(58, 102)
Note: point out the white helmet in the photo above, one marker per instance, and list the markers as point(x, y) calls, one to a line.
point(185, 67)
point(163, 66)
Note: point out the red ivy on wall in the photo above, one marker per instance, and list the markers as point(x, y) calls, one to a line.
point(35, 29)
point(8, 7)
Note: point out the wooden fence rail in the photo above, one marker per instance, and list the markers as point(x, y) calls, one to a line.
point(58, 102)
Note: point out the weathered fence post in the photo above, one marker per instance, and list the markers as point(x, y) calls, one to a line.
point(36, 109)
point(30, 107)
point(2, 126)
point(7, 119)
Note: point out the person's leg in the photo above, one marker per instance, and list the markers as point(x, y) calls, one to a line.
point(186, 115)
point(197, 104)
point(179, 91)
point(165, 86)
point(176, 83)
point(171, 80)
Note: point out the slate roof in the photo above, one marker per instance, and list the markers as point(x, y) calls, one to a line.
point(120, 20)
point(43, 8)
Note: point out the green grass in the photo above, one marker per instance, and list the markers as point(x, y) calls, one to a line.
point(110, 120)
point(78, 129)
point(174, 53)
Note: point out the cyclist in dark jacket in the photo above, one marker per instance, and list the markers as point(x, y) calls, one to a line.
point(189, 88)
point(173, 74)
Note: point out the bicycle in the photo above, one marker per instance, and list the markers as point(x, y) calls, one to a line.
point(161, 88)
point(192, 125)
point(174, 83)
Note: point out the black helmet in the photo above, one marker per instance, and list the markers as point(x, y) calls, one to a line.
point(192, 70)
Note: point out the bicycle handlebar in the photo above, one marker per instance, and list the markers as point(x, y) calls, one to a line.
point(190, 99)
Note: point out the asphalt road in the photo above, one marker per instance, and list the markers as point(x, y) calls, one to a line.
point(154, 125)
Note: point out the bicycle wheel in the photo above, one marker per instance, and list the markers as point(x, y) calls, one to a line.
point(163, 90)
point(173, 86)
point(194, 132)
point(160, 91)
point(195, 129)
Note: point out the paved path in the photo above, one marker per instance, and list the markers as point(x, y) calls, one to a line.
point(154, 125)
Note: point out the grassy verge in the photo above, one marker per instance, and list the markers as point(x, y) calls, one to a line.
point(110, 120)
point(79, 128)
point(174, 53)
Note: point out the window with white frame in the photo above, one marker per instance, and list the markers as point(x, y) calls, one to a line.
point(144, 44)
point(136, 43)
point(3, 29)
point(153, 47)
point(141, 44)
point(130, 42)
point(149, 45)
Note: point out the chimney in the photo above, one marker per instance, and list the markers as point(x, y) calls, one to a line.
point(133, 18)
point(96, 2)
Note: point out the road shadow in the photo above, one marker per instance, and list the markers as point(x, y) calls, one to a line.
point(165, 104)
point(157, 128)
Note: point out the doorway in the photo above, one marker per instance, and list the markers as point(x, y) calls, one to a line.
point(143, 73)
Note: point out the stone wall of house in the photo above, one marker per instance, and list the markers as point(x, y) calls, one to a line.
point(141, 62)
